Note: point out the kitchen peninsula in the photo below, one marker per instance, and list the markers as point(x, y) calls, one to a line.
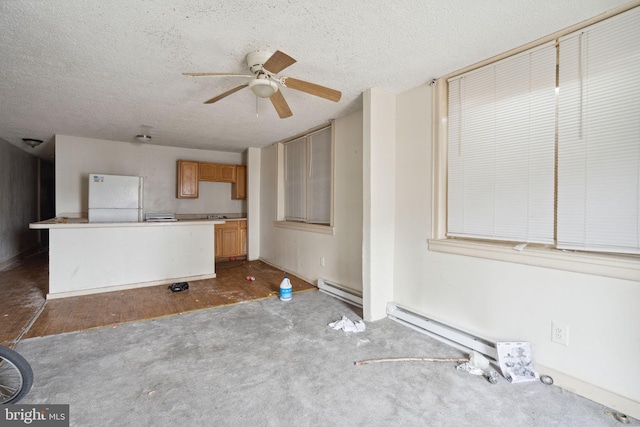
point(87, 258)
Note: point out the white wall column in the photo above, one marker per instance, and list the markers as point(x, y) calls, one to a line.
point(378, 248)
point(253, 202)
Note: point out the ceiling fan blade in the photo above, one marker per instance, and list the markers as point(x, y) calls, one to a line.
point(216, 75)
point(225, 94)
point(278, 62)
point(312, 88)
point(281, 106)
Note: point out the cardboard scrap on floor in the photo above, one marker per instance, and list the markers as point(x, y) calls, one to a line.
point(347, 325)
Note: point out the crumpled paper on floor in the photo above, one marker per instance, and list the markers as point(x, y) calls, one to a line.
point(347, 325)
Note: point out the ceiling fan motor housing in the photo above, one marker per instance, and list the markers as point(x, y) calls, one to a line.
point(255, 60)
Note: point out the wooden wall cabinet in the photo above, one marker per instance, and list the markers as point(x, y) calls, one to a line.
point(190, 173)
point(217, 172)
point(239, 186)
point(231, 239)
point(188, 177)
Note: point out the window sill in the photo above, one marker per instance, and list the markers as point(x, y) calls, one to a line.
point(302, 226)
point(618, 266)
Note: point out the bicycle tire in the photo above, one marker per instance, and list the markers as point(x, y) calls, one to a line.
point(16, 376)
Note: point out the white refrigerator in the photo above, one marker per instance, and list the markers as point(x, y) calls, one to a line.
point(115, 198)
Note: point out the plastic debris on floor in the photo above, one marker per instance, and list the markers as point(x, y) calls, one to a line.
point(479, 365)
point(347, 325)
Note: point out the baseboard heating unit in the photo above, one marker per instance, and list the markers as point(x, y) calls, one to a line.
point(347, 295)
point(444, 333)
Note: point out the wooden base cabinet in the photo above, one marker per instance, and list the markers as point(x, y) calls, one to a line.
point(231, 239)
point(242, 231)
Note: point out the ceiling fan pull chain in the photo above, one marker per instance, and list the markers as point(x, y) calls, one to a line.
point(256, 107)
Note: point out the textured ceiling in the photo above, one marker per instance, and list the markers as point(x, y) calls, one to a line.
point(111, 69)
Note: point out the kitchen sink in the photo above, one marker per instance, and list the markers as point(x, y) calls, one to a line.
point(216, 217)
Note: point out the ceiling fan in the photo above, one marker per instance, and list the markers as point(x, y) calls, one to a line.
point(264, 84)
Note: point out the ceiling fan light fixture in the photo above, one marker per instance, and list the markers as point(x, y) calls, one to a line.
point(263, 88)
point(32, 142)
point(143, 138)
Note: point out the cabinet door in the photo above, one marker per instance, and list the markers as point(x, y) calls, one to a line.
point(226, 173)
point(188, 176)
point(239, 187)
point(208, 172)
point(229, 242)
point(242, 236)
point(218, 243)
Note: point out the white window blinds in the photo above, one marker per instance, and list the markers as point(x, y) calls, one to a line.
point(319, 187)
point(295, 180)
point(308, 178)
point(501, 150)
point(599, 137)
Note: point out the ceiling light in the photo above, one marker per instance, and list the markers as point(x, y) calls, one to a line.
point(32, 142)
point(263, 88)
point(143, 138)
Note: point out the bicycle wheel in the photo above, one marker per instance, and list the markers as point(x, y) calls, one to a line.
point(16, 376)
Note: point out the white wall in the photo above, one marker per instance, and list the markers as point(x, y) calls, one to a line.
point(18, 202)
point(504, 301)
point(299, 252)
point(77, 157)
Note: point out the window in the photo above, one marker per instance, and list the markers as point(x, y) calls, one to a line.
point(307, 176)
point(599, 137)
point(501, 149)
point(543, 148)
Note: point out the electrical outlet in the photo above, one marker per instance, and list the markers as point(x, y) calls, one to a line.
point(321, 261)
point(560, 333)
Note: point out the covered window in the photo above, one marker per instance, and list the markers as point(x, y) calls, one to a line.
point(599, 137)
point(544, 146)
point(501, 149)
point(307, 178)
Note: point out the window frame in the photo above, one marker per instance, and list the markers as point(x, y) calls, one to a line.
point(280, 221)
point(601, 264)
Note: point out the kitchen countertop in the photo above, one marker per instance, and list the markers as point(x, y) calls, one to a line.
point(84, 223)
point(215, 216)
point(210, 219)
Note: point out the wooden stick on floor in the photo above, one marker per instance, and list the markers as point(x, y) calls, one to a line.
point(412, 359)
